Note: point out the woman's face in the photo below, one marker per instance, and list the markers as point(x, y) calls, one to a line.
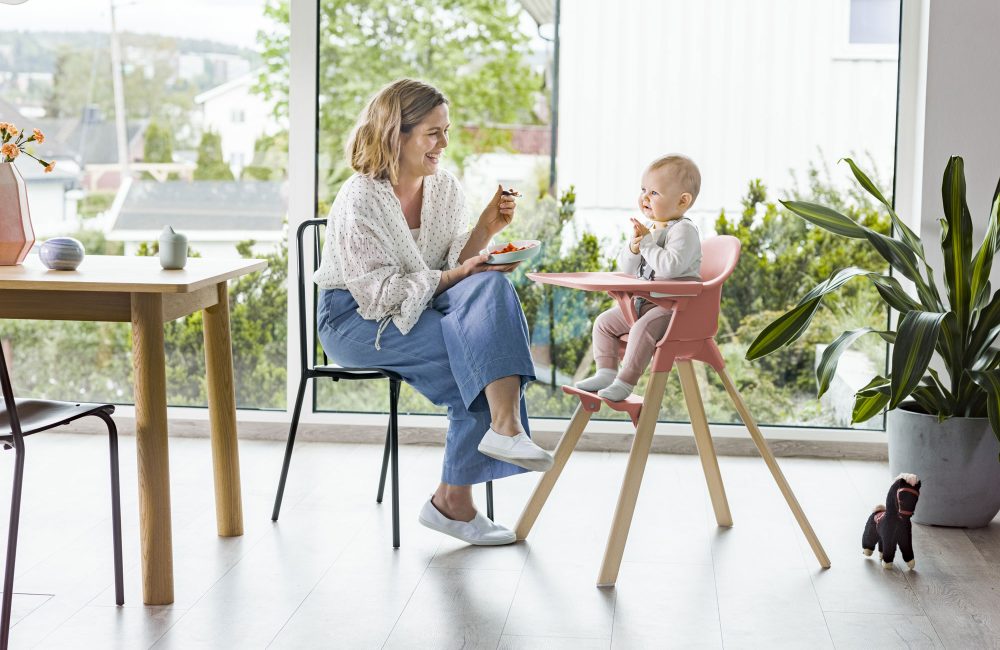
point(420, 149)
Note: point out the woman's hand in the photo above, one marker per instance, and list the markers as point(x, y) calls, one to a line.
point(471, 266)
point(477, 264)
point(499, 212)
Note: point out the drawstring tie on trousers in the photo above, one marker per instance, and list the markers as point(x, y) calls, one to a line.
point(384, 323)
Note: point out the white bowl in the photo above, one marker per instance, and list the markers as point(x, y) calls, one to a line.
point(531, 248)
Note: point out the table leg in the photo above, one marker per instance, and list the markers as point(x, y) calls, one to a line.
point(222, 414)
point(151, 449)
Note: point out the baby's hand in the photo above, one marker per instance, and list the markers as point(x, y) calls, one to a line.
point(634, 245)
point(638, 228)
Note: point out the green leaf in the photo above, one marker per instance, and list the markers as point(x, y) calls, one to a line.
point(989, 380)
point(896, 253)
point(957, 242)
point(985, 331)
point(908, 236)
point(835, 281)
point(870, 400)
point(930, 400)
point(892, 292)
point(826, 218)
point(983, 262)
point(790, 325)
point(917, 336)
point(827, 366)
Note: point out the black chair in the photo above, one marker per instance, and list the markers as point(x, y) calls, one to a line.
point(337, 373)
point(23, 417)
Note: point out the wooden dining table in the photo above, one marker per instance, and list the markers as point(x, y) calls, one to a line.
point(136, 290)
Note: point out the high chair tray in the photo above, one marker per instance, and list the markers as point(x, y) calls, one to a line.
point(605, 281)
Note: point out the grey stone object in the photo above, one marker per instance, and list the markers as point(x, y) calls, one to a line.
point(61, 253)
point(173, 249)
point(956, 461)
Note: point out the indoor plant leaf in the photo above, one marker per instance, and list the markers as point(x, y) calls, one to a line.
point(870, 400)
point(983, 262)
point(827, 366)
point(790, 325)
point(989, 380)
point(957, 241)
point(907, 235)
point(826, 218)
point(916, 339)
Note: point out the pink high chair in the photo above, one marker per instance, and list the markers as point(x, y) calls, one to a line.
point(689, 337)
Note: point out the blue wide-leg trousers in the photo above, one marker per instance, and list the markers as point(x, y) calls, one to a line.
point(472, 334)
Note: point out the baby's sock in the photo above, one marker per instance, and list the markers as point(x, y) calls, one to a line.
point(617, 391)
point(603, 379)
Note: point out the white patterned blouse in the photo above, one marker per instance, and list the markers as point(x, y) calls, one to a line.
point(371, 252)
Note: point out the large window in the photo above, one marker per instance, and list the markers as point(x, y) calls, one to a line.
point(760, 93)
point(156, 114)
point(756, 92)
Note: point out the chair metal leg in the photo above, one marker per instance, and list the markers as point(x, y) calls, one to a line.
point(641, 445)
point(394, 444)
point(385, 462)
point(116, 507)
point(548, 480)
point(703, 440)
point(772, 464)
point(489, 500)
point(288, 446)
point(8, 576)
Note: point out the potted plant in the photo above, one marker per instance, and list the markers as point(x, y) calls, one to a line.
point(938, 423)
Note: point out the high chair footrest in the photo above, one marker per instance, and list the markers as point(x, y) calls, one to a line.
point(591, 402)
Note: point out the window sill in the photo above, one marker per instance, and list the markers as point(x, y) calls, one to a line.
point(601, 435)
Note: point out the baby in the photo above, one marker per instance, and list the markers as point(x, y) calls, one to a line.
point(668, 248)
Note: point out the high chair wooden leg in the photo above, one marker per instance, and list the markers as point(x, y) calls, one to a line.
point(703, 439)
point(548, 480)
point(772, 464)
point(633, 479)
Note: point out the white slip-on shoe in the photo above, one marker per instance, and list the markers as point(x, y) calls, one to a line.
point(518, 450)
point(479, 532)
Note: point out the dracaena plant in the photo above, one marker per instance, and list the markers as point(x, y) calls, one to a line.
point(960, 326)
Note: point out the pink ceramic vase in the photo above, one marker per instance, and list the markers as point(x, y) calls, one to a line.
point(16, 234)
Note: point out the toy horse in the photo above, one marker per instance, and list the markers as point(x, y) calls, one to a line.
point(889, 525)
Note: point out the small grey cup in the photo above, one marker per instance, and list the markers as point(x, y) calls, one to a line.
point(173, 249)
point(61, 253)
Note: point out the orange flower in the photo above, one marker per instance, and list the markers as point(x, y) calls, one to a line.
point(11, 129)
point(3, 126)
point(39, 136)
point(50, 167)
point(10, 150)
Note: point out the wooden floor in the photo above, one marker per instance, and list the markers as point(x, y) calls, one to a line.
point(326, 575)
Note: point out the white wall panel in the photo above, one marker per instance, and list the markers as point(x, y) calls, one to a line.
point(748, 88)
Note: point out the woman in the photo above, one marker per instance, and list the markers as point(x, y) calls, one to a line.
point(406, 289)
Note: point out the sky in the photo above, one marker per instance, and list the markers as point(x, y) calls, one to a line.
point(235, 22)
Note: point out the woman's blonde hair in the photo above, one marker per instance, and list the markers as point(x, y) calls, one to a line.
point(373, 148)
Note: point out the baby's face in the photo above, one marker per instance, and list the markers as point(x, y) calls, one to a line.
point(661, 197)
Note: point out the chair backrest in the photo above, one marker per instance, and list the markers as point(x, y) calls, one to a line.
point(307, 326)
point(8, 401)
point(699, 319)
point(719, 256)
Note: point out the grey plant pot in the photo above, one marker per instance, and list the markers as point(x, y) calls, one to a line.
point(956, 461)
